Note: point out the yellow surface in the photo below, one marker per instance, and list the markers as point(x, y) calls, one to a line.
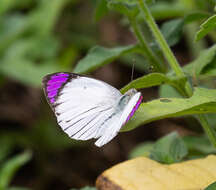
point(145, 174)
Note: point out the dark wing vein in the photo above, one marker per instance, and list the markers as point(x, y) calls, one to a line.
point(91, 121)
point(78, 116)
point(107, 118)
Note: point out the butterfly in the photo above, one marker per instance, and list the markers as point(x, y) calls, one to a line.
point(87, 108)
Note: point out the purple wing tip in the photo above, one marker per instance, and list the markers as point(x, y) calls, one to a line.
point(52, 84)
point(134, 109)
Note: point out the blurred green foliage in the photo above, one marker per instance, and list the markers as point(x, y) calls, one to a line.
point(99, 56)
point(9, 168)
point(206, 27)
point(169, 149)
point(173, 148)
point(29, 46)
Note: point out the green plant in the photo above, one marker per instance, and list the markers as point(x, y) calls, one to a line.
point(173, 148)
point(28, 43)
point(177, 77)
point(9, 167)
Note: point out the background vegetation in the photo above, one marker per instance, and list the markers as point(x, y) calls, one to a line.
point(104, 39)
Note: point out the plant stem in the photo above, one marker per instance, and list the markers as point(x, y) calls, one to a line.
point(163, 44)
point(160, 39)
point(146, 49)
point(208, 130)
point(173, 64)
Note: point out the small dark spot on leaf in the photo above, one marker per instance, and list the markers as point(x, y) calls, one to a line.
point(165, 100)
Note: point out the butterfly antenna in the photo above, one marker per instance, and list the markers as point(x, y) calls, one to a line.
point(132, 72)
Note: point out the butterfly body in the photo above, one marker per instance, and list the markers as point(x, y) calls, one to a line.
point(87, 108)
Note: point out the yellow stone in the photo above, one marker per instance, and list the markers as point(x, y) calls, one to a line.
point(145, 174)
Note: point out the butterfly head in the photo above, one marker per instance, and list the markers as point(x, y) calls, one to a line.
point(126, 98)
point(131, 92)
point(130, 102)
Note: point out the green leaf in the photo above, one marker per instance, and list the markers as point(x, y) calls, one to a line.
point(210, 69)
point(126, 2)
point(6, 5)
point(149, 2)
point(100, 10)
point(119, 8)
point(154, 79)
point(50, 11)
point(19, 61)
point(195, 16)
point(11, 28)
point(169, 149)
point(136, 60)
point(212, 2)
point(167, 91)
point(143, 149)
point(11, 166)
point(6, 147)
point(206, 27)
point(27, 72)
point(211, 118)
point(211, 187)
point(69, 56)
point(128, 8)
point(99, 56)
point(163, 10)
point(172, 31)
point(200, 144)
point(205, 59)
point(202, 101)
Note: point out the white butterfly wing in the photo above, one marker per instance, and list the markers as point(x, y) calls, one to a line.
point(113, 126)
point(87, 108)
point(82, 105)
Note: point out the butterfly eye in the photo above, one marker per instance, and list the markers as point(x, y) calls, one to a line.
point(124, 100)
point(131, 92)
